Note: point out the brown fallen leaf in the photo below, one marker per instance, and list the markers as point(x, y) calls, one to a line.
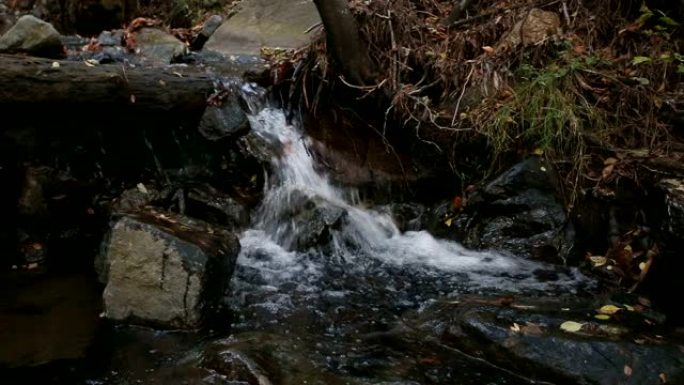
point(610, 161)
point(663, 378)
point(607, 171)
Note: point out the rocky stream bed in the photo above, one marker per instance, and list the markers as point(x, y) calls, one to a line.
point(150, 237)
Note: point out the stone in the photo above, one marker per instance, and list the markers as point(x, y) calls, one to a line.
point(234, 365)
point(305, 222)
point(34, 36)
point(537, 26)
point(673, 190)
point(529, 340)
point(111, 38)
point(209, 204)
point(165, 270)
point(157, 47)
point(226, 120)
point(264, 23)
point(517, 212)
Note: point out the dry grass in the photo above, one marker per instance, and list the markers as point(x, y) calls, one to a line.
point(575, 94)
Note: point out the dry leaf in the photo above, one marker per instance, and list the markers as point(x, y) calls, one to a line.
point(488, 49)
point(663, 378)
point(571, 326)
point(602, 317)
point(515, 327)
point(610, 161)
point(628, 370)
point(607, 171)
point(597, 260)
point(133, 99)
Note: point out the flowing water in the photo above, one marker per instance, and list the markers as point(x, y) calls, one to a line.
point(324, 306)
point(327, 291)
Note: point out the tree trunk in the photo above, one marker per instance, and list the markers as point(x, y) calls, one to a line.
point(344, 42)
point(34, 81)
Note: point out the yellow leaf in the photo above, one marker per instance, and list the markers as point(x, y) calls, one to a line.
point(448, 222)
point(628, 371)
point(642, 265)
point(538, 151)
point(598, 261)
point(628, 307)
point(602, 317)
point(571, 326)
point(55, 64)
point(609, 309)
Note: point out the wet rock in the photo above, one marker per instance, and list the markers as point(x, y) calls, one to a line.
point(264, 23)
point(312, 220)
point(210, 26)
point(223, 121)
point(157, 47)
point(209, 204)
point(111, 38)
point(135, 199)
point(302, 221)
point(409, 216)
point(527, 338)
point(111, 55)
point(518, 212)
point(34, 36)
point(165, 270)
point(235, 366)
point(673, 190)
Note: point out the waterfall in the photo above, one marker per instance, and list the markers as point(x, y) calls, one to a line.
point(365, 245)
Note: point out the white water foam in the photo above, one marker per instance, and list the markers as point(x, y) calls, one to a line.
point(366, 237)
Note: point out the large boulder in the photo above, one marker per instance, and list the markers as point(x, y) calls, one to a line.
point(264, 23)
point(165, 270)
point(560, 340)
point(34, 36)
point(517, 212)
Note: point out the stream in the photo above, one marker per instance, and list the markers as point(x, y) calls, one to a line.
point(327, 291)
point(335, 312)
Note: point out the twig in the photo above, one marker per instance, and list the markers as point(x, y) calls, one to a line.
point(565, 12)
point(313, 27)
point(460, 97)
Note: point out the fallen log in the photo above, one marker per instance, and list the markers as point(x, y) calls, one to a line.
point(32, 81)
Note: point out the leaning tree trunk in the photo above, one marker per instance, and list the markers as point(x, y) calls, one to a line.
point(344, 42)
